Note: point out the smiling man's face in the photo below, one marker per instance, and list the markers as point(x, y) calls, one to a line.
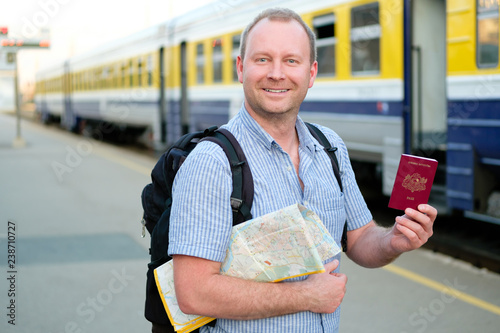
point(276, 69)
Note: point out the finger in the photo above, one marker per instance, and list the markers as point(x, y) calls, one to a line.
point(407, 223)
point(411, 235)
point(422, 219)
point(340, 275)
point(428, 210)
point(414, 233)
point(331, 266)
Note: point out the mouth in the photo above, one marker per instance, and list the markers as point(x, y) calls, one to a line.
point(276, 90)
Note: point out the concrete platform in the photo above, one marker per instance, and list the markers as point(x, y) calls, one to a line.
point(80, 262)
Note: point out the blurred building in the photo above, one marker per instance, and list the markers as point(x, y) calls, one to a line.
point(7, 74)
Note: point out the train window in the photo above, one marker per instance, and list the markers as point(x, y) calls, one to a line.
point(365, 39)
point(111, 76)
point(95, 79)
point(139, 72)
point(200, 63)
point(324, 28)
point(104, 77)
point(123, 74)
point(217, 57)
point(149, 64)
point(234, 55)
point(116, 76)
point(98, 76)
point(87, 80)
point(487, 33)
point(131, 73)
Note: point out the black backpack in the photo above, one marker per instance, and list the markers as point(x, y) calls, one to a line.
point(157, 200)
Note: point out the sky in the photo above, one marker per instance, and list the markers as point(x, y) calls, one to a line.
point(76, 26)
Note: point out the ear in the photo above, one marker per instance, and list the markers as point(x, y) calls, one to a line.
point(313, 73)
point(239, 68)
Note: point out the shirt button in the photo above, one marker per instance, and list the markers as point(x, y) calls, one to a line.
point(289, 168)
point(306, 203)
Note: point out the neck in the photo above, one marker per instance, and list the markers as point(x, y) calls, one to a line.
point(284, 133)
point(282, 129)
point(280, 126)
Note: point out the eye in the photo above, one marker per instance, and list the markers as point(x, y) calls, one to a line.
point(261, 60)
point(292, 61)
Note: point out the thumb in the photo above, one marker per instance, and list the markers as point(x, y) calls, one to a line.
point(331, 266)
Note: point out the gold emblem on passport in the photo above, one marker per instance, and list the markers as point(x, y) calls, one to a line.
point(414, 183)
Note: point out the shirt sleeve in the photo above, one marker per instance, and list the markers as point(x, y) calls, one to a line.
point(201, 216)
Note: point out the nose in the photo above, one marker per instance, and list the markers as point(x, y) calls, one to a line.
point(276, 71)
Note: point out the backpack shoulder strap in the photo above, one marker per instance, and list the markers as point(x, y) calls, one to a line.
point(318, 135)
point(243, 190)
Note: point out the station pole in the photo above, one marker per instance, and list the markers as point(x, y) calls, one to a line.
point(18, 141)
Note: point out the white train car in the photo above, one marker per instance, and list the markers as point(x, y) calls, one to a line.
point(395, 76)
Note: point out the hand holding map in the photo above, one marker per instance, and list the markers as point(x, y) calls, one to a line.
point(281, 245)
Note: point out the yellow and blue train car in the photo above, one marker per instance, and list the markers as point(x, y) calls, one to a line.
point(395, 76)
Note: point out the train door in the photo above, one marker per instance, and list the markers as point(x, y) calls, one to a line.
point(178, 101)
point(184, 90)
point(162, 102)
point(428, 44)
point(68, 118)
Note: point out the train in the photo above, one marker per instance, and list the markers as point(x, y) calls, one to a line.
point(394, 77)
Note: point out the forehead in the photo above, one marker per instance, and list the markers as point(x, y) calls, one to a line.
point(277, 33)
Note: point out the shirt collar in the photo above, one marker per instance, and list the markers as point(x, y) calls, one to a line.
point(305, 137)
point(306, 140)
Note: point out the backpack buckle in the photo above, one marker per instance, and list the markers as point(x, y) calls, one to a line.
point(210, 130)
point(236, 204)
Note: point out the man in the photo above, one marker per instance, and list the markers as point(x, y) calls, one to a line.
point(277, 66)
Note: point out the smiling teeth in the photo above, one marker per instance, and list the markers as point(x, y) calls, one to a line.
point(276, 91)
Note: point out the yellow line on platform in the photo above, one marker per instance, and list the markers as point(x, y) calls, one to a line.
point(126, 163)
point(95, 148)
point(445, 289)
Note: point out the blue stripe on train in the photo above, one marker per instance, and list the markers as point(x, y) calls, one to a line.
point(375, 108)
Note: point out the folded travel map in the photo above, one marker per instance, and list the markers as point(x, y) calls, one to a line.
point(288, 243)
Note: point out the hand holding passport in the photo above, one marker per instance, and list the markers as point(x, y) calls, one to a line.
point(413, 182)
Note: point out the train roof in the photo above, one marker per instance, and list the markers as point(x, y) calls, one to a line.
point(213, 19)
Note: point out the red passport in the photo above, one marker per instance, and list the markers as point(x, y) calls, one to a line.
point(413, 183)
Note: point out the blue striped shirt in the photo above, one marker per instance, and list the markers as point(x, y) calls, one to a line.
point(201, 217)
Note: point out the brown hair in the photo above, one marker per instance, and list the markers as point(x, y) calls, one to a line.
point(283, 15)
